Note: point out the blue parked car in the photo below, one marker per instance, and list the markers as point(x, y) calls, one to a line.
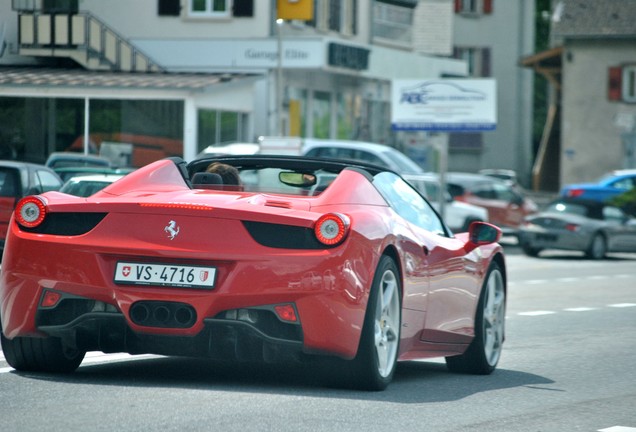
point(608, 186)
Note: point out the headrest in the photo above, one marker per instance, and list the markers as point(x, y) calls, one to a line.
point(205, 178)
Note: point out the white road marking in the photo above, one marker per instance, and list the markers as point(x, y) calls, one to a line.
point(622, 305)
point(580, 309)
point(571, 279)
point(618, 429)
point(536, 313)
point(568, 279)
point(536, 281)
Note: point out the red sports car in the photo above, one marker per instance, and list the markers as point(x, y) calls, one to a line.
point(304, 258)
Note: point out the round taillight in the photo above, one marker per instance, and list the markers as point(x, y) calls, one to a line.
point(30, 211)
point(332, 228)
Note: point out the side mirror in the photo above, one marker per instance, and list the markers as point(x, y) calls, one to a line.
point(482, 233)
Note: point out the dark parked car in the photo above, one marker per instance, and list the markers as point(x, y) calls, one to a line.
point(582, 225)
point(18, 179)
point(507, 206)
point(72, 159)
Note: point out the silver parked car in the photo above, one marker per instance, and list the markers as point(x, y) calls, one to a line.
point(582, 225)
point(377, 154)
point(85, 186)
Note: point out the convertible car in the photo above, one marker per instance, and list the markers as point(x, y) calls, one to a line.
point(575, 224)
point(304, 259)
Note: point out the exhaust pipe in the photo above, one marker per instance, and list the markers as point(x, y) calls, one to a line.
point(162, 314)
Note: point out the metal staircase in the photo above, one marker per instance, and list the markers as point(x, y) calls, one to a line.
point(81, 37)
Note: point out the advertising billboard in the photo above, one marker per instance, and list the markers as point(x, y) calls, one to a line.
point(448, 105)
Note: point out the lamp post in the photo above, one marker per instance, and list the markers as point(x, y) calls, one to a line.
point(279, 78)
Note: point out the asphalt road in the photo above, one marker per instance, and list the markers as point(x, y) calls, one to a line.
point(568, 365)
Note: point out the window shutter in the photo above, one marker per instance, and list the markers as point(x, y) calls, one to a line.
point(614, 84)
point(488, 6)
point(169, 8)
point(458, 6)
point(485, 62)
point(243, 8)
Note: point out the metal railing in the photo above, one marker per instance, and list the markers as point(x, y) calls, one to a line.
point(63, 33)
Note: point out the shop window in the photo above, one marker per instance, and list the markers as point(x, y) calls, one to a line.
point(321, 114)
point(478, 60)
point(220, 127)
point(348, 111)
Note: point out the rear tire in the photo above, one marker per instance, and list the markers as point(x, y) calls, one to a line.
point(597, 248)
point(374, 365)
point(483, 354)
point(48, 354)
point(530, 251)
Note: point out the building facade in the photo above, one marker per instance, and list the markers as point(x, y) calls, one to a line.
point(170, 77)
point(598, 88)
point(492, 36)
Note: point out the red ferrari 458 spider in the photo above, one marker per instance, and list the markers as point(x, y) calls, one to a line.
point(305, 258)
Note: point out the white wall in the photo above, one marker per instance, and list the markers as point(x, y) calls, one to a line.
point(140, 19)
point(590, 138)
point(509, 32)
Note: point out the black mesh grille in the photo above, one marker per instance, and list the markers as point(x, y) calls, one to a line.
point(65, 312)
point(283, 236)
point(69, 224)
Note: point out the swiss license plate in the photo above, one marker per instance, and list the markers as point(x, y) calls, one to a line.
point(181, 276)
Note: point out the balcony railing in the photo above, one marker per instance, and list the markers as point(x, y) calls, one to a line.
point(80, 36)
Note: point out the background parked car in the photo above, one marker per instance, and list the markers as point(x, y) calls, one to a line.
point(69, 172)
point(73, 159)
point(457, 215)
point(592, 227)
point(229, 149)
point(376, 154)
point(608, 186)
point(509, 176)
point(85, 186)
point(507, 206)
point(18, 179)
